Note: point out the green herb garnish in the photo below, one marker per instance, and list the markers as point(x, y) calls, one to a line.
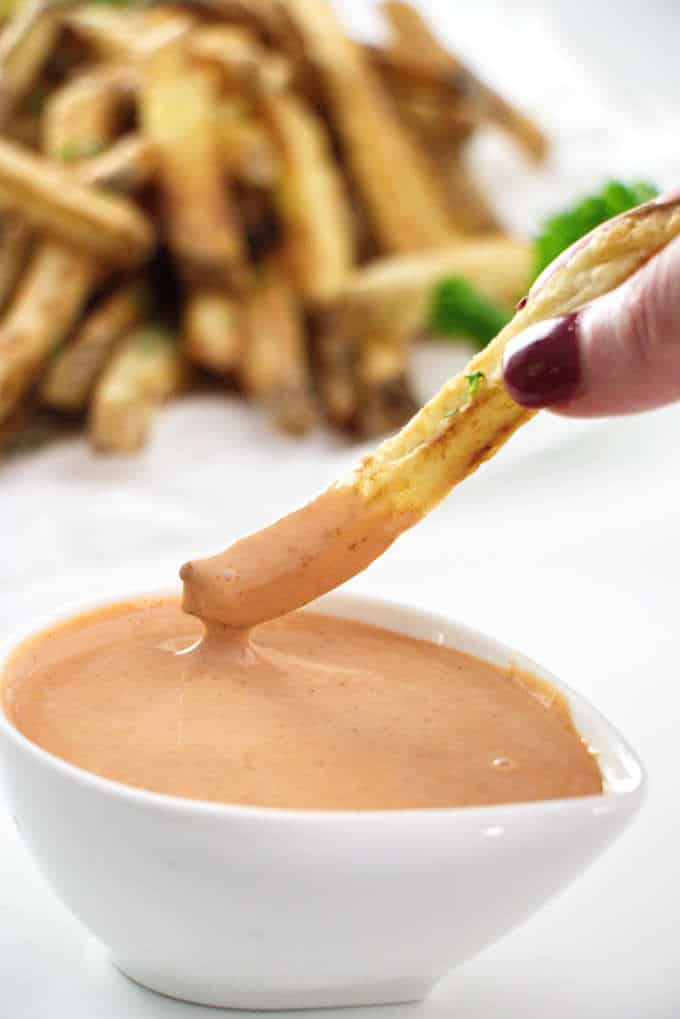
point(71, 153)
point(474, 381)
point(565, 228)
point(458, 309)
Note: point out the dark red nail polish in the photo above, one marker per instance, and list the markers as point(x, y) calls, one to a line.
point(542, 366)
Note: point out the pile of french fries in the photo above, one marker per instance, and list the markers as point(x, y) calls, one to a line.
point(231, 190)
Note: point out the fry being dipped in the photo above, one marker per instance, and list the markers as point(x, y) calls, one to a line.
point(349, 525)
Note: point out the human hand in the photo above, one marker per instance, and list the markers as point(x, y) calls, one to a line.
point(618, 355)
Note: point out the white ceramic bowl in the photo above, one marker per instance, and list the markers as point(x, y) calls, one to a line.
point(264, 908)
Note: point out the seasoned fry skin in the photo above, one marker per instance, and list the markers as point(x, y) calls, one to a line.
point(145, 371)
point(90, 108)
point(46, 306)
point(248, 67)
point(179, 113)
point(15, 243)
point(274, 367)
point(326, 542)
point(392, 297)
point(126, 34)
point(213, 331)
point(74, 371)
point(26, 43)
point(127, 166)
point(49, 198)
point(312, 202)
point(424, 54)
point(246, 146)
point(392, 173)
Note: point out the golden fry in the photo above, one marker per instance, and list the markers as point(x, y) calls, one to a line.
point(246, 147)
point(426, 55)
point(83, 116)
point(45, 308)
point(74, 371)
point(384, 398)
point(127, 166)
point(49, 198)
point(468, 206)
point(335, 361)
point(312, 202)
point(26, 43)
point(392, 297)
point(145, 371)
point(341, 532)
point(213, 332)
point(397, 184)
point(180, 116)
point(274, 367)
point(122, 34)
point(247, 66)
point(15, 242)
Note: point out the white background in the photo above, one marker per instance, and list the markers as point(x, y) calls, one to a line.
point(566, 546)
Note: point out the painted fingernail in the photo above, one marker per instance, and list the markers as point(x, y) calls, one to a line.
point(542, 366)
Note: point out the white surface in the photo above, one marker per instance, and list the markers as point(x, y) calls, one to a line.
point(251, 908)
point(566, 546)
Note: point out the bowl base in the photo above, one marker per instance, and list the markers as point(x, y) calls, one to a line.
point(220, 994)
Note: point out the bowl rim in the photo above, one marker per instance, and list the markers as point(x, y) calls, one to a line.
point(627, 796)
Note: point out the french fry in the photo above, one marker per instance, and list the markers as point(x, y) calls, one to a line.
point(392, 297)
point(90, 108)
point(179, 112)
point(128, 34)
point(24, 127)
point(15, 242)
point(50, 297)
point(341, 532)
point(400, 190)
point(49, 198)
point(430, 106)
point(26, 43)
point(468, 206)
point(384, 397)
point(246, 147)
point(213, 332)
point(247, 67)
point(335, 364)
point(29, 428)
point(312, 202)
point(419, 47)
point(274, 367)
point(127, 166)
point(74, 371)
point(144, 372)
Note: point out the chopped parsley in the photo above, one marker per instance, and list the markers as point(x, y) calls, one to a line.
point(563, 229)
point(460, 310)
point(474, 381)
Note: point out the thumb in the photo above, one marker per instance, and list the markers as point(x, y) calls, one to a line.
point(617, 355)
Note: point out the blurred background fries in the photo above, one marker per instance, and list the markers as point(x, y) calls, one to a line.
point(239, 187)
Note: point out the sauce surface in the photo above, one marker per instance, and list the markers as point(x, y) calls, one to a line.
point(308, 711)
